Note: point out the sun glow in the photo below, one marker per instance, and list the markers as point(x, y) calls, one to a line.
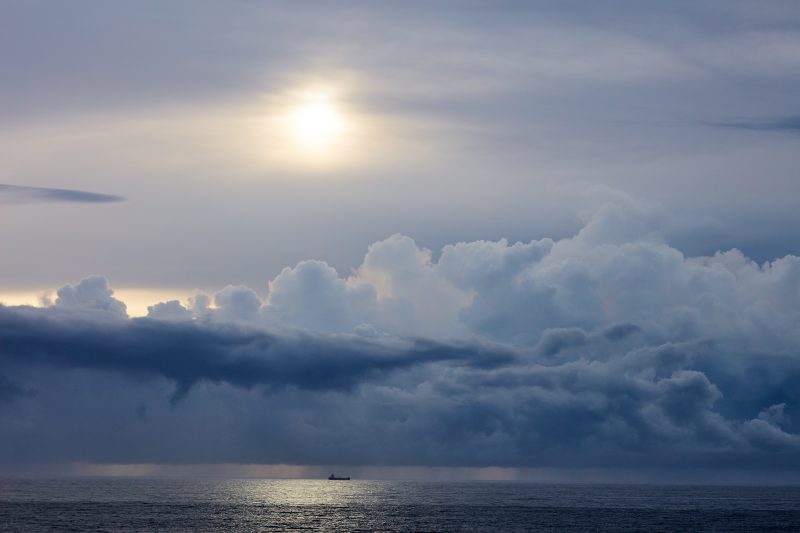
point(315, 128)
point(317, 124)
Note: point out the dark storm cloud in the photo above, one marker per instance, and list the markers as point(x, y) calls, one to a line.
point(611, 398)
point(554, 341)
point(188, 352)
point(10, 389)
point(23, 195)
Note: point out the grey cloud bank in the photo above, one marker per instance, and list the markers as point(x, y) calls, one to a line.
point(606, 349)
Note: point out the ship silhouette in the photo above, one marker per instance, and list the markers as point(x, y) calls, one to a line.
point(334, 478)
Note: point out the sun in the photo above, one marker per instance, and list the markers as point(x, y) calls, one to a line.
point(311, 129)
point(317, 124)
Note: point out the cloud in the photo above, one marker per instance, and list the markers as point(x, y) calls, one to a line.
point(790, 124)
point(388, 400)
point(237, 303)
point(16, 194)
point(311, 295)
point(191, 352)
point(618, 269)
point(91, 294)
point(609, 348)
point(10, 389)
point(171, 310)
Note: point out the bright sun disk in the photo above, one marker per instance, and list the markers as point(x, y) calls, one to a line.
point(317, 124)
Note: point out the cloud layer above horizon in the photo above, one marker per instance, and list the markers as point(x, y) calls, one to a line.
point(605, 349)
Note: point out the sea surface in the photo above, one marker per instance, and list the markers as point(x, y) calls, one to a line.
point(136, 504)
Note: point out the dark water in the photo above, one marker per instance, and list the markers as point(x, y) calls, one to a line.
point(271, 505)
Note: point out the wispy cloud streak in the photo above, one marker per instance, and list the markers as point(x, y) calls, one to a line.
point(790, 124)
point(16, 194)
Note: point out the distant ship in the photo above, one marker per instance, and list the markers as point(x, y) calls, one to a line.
point(334, 478)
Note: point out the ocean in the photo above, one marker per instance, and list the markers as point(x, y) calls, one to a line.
point(137, 504)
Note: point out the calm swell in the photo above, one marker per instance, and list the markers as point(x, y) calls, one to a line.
point(289, 505)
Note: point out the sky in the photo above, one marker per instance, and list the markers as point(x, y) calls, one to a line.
point(509, 239)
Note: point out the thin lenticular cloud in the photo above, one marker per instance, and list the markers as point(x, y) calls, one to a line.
point(790, 124)
point(16, 194)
